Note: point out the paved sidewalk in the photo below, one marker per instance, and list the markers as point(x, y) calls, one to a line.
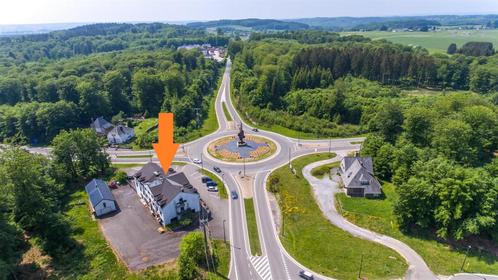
point(324, 191)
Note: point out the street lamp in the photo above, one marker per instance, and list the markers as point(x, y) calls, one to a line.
point(465, 259)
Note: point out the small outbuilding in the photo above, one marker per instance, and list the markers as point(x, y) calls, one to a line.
point(101, 197)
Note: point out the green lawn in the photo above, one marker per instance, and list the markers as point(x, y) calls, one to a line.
point(434, 41)
point(323, 170)
point(252, 227)
point(313, 241)
point(222, 260)
point(221, 186)
point(377, 215)
point(228, 116)
point(126, 165)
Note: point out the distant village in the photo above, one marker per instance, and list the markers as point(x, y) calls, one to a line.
point(210, 52)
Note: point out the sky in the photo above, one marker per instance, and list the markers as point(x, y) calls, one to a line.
point(80, 11)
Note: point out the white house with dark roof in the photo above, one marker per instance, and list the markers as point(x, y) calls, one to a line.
point(120, 134)
point(358, 177)
point(101, 126)
point(166, 196)
point(101, 198)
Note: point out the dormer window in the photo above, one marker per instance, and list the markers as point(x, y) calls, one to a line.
point(364, 182)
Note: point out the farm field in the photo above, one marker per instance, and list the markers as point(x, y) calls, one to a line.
point(433, 41)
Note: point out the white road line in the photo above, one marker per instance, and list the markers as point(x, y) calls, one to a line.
point(262, 266)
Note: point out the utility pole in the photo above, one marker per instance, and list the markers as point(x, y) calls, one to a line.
point(202, 224)
point(202, 162)
point(361, 266)
point(465, 259)
point(289, 157)
point(224, 235)
point(330, 144)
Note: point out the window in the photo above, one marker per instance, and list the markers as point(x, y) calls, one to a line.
point(104, 205)
point(364, 182)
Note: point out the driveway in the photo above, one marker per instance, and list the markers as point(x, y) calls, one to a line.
point(324, 191)
point(132, 233)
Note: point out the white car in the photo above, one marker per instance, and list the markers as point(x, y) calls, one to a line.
point(196, 161)
point(212, 189)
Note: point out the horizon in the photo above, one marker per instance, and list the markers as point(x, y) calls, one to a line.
point(32, 12)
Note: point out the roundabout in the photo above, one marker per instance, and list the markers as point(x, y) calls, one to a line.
point(249, 148)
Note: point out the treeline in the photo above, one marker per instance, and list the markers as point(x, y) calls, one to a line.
point(40, 99)
point(472, 49)
point(308, 37)
point(439, 153)
point(97, 38)
point(254, 23)
point(33, 194)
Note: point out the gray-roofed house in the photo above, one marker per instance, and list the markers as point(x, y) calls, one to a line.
point(358, 177)
point(120, 134)
point(101, 198)
point(166, 196)
point(101, 126)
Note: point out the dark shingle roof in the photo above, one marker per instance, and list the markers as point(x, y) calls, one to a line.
point(97, 191)
point(163, 188)
point(100, 125)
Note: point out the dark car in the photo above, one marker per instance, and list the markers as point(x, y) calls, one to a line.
point(255, 130)
point(171, 171)
point(205, 179)
point(211, 184)
point(217, 169)
point(306, 275)
point(234, 195)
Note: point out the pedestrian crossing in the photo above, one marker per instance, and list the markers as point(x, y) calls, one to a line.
point(262, 266)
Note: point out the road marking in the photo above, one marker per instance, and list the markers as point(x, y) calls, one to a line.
point(262, 266)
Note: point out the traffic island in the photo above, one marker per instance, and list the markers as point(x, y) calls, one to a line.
point(230, 149)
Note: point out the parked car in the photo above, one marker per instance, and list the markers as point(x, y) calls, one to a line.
point(212, 189)
point(211, 184)
point(171, 171)
point(217, 169)
point(205, 179)
point(197, 161)
point(113, 185)
point(234, 195)
point(306, 275)
point(255, 129)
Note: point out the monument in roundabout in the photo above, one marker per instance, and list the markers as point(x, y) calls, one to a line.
point(241, 147)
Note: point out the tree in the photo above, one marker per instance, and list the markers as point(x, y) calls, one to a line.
point(452, 139)
point(80, 153)
point(115, 84)
point(148, 91)
point(192, 254)
point(452, 48)
point(92, 103)
point(418, 123)
point(388, 121)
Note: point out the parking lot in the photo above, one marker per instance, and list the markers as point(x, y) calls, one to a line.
point(132, 232)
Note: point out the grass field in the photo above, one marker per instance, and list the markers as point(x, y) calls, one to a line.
point(135, 156)
point(221, 186)
point(377, 215)
point(126, 165)
point(252, 227)
point(313, 241)
point(323, 170)
point(228, 116)
point(434, 41)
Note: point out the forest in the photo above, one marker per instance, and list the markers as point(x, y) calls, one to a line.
point(40, 98)
point(439, 148)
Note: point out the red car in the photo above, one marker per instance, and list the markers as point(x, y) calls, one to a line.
point(113, 185)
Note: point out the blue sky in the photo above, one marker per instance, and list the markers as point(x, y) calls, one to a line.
point(57, 11)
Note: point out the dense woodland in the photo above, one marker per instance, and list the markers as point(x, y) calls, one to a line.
point(438, 148)
point(38, 99)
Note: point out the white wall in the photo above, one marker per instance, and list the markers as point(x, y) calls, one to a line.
point(169, 210)
point(100, 209)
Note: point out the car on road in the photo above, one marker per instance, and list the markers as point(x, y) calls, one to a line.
point(255, 129)
point(205, 179)
point(211, 184)
point(306, 275)
point(217, 169)
point(234, 195)
point(197, 161)
point(171, 171)
point(212, 189)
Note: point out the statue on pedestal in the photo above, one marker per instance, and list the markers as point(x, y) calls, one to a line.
point(241, 136)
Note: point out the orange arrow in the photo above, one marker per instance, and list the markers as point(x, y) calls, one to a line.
point(165, 148)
